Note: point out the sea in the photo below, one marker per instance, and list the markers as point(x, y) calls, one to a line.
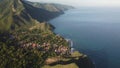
point(95, 31)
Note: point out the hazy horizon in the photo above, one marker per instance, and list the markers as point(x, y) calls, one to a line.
point(84, 3)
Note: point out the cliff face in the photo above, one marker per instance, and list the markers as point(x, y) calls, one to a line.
point(17, 13)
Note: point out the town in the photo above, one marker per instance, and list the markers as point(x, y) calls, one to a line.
point(43, 41)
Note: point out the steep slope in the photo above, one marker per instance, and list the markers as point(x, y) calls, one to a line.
point(17, 13)
point(13, 14)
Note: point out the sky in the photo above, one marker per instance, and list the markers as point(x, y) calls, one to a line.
point(107, 3)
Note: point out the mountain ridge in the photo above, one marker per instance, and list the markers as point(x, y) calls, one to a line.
point(17, 13)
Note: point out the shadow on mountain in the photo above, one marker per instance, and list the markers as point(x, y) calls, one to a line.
point(40, 14)
point(23, 17)
point(81, 62)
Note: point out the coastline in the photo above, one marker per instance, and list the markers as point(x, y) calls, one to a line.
point(77, 59)
point(88, 61)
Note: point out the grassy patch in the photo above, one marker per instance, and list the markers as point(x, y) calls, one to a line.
point(72, 65)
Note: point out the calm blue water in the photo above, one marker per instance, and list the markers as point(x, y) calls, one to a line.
point(95, 32)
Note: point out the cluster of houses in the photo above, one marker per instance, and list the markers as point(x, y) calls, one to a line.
point(59, 50)
point(44, 46)
point(62, 50)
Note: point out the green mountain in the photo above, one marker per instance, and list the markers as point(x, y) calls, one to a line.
point(13, 14)
point(17, 13)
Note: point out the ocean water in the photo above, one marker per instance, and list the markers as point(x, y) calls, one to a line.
point(94, 31)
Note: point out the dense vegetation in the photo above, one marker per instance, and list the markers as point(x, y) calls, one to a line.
point(13, 55)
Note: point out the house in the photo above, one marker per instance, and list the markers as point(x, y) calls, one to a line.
point(34, 45)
